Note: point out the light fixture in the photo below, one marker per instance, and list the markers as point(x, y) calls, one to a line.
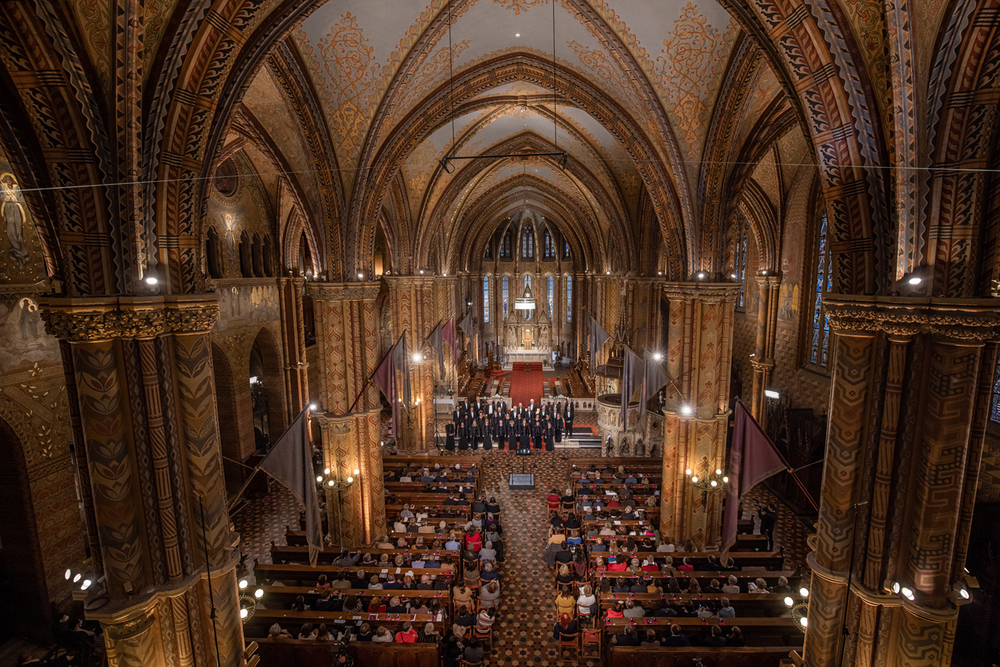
point(733, 276)
point(85, 585)
point(687, 410)
point(609, 273)
point(77, 578)
point(804, 592)
point(356, 471)
point(804, 622)
point(517, 34)
point(695, 479)
point(326, 471)
point(313, 407)
point(417, 357)
point(253, 379)
point(718, 471)
point(319, 480)
point(444, 275)
point(701, 275)
point(361, 275)
point(151, 277)
point(243, 584)
point(421, 272)
point(770, 393)
point(725, 479)
point(68, 574)
point(259, 593)
point(659, 273)
point(331, 483)
point(789, 602)
point(688, 472)
point(244, 613)
point(914, 280)
point(714, 484)
point(907, 593)
point(350, 480)
point(657, 356)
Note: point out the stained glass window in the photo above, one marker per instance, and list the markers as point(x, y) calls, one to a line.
point(489, 250)
point(819, 343)
point(549, 249)
point(505, 298)
point(505, 246)
point(741, 260)
point(569, 298)
point(527, 284)
point(552, 297)
point(486, 298)
point(527, 243)
point(566, 250)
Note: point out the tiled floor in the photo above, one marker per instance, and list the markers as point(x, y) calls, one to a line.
point(524, 629)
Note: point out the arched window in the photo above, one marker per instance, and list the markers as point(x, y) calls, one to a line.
point(527, 243)
point(213, 253)
point(569, 298)
point(819, 341)
point(506, 297)
point(741, 259)
point(550, 251)
point(527, 285)
point(566, 250)
point(258, 257)
point(246, 268)
point(506, 245)
point(489, 250)
point(552, 298)
point(486, 298)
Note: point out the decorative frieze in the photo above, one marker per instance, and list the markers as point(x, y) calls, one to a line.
point(89, 320)
point(974, 320)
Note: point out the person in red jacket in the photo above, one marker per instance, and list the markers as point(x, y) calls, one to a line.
point(553, 501)
point(407, 635)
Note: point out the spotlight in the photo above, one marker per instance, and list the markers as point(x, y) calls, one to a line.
point(609, 273)
point(361, 275)
point(701, 275)
point(77, 578)
point(253, 379)
point(907, 593)
point(313, 407)
point(68, 574)
point(894, 587)
point(151, 277)
point(259, 593)
point(444, 275)
point(914, 280)
point(243, 584)
point(85, 585)
point(789, 602)
point(657, 356)
point(770, 393)
point(417, 357)
point(687, 410)
point(517, 34)
point(963, 593)
point(804, 592)
point(421, 272)
point(659, 273)
point(733, 276)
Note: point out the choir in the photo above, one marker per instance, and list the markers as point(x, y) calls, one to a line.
point(483, 423)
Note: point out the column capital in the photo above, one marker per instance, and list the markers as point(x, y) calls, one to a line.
point(343, 291)
point(711, 292)
point(395, 282)
point(771, 280)
point(107, 318)
point(966, 320)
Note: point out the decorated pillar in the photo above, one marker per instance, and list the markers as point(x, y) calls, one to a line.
point(912, 382)
point(763, 359)
point(293, 338)
point(411, 299)
point(142, 373)
point(349, 409)
point(696, 414)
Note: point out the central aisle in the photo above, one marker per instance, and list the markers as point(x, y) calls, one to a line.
point(526, 384)
point(524, 631)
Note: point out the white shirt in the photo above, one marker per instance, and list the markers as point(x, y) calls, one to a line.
point(584, 603)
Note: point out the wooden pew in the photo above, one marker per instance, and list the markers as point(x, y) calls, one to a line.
point(297, 538)
point(742, 576)
point(745, 604)
point(397, 487)
point(295, 554)
point(281, 597)
point(757, 631)
point(305, 573)
point(743, 559)
point(258, 624)
point(758, 656)
point(281, 653)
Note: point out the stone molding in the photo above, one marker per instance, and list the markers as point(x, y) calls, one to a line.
point(343, 291)
point(707, 292)
point(968, 320)
point(80, 320)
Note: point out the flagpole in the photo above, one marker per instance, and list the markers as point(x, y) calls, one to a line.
point(368, 381)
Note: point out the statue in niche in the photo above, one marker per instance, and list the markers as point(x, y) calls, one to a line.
point(12, 213)
point(28, 319)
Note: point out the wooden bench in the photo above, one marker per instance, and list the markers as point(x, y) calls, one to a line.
point(258, 624)
point(743, 559)
point(280, 597)
point(742, 576)
point(745, 604)
point(296, 554)
point(303, 653)
point(304, 573)
point(757, 631)
point(297, 538)
point(758, 656)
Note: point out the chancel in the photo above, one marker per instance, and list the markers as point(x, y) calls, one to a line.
point(463, 332)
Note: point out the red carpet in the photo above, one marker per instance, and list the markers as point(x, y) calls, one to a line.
point(526, 384)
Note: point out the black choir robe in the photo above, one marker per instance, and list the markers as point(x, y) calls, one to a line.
point(476, 432)
point(463, 436)
point(557, 425)
point(524, 438)
point(488, 429)
point(568, 416)
point(547, 432)
point(536, 435)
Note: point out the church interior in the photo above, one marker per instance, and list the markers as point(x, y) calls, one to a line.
point(277, 276)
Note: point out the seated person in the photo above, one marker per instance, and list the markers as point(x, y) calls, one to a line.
point(565, 603)
point(715, 637)
point(565, 628)
point(627, 638)
point(489, 595)
point(675, 638)
point(726, 611)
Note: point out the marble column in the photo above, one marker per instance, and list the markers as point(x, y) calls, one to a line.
point(763, 360)
point(698, 360)
point(349, 408)
point(911, 391)
point(143, 382)
point(293, 338)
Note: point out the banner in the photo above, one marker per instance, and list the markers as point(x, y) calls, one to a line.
point(290, 463)
point(384, 378)
point(654, 379)
point(752, 459)
point(598, 336)
point(436, 341)
point(633, 372)
point(451, 337)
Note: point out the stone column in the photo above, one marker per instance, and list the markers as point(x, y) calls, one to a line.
point(698, 360)
point(349, 408)
point(293, 338)
point(763, 361)
point(142, 369)
point(412, 304)
point(911, 393)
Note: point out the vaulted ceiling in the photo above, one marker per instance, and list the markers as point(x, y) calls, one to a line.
point(637, 84)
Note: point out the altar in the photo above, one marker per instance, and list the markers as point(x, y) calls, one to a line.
point(522, 356)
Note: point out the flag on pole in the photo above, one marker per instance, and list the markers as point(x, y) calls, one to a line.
point(598, 336)
point(450, 336)
point(654, 378)
point(384, 378)
point(401, 360)
point(437, 344)
point(290, 463)
point(466, 325)
point(752, 459)
point(632, 377)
